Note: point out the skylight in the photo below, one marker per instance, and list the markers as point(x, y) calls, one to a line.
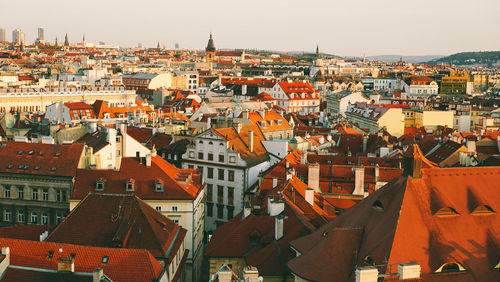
point(41, 153)
point(53, 169)
point(10, 166)
point(37, 167)
point(105, 259)
point(20, 152)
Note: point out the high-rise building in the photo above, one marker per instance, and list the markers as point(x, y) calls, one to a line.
point(17, 36)
point(2, 35)
point(41, 34)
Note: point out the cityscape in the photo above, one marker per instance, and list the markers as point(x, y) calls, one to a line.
point(224, 162)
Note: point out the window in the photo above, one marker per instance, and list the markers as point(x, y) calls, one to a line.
point(220, 174)
point(230, 195)
point(130, 185)
point(58, 195)
point(158, 208)
point(210, 209)
point(220, 194)
point(232, 159)
point(210, 172)
point(64, 196)
point(450, 267)
point(34, 194)
point(59, 218)
point(99, 186)
point(221, 158)
point(45, 219)
point(200, 156)
point(7, 192)
point(209, 192)
point(7, 215)
point(230, 212)
point(210, 157)
point(45, 194)
point(220, 211)
point(191, 154)
point(105, 259)
point(159, 186)
point(230, 175)
point(377, 205)
point(20, 216)
point(34, 217)
point(175, 208)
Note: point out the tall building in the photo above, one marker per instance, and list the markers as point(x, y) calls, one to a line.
point(2, 35)
point(210, 50)
point(17, 36)
point(41, 34)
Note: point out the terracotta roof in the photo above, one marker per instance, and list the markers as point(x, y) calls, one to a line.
point(263, 96)
point(40, 159)
point(122, 265)
point(123, 221)
point(271, 120)
point(24, 232)
point(410, 219)
point(145, 178)
point(100, 108)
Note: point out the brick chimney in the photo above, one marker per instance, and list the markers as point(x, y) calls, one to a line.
point(409, 270)
point(225, 275)
point(310, 196)
point(250, 274)
point(366, 274)
point(66, 264)
point(359, 181)
point(303, 157)
point(250, 140)
point(313, 177)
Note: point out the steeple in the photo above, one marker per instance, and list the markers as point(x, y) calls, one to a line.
point(83, 41)
point(317, 51)
point(210, 50)
point(56, 42)
point(158, 45)
point(66, 41)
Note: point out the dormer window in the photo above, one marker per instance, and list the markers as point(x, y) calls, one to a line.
point(482, 209)
point(130, 185)
point(159, 185)
point(377, 205)
point(446, 211)
point(99, 185)
point(451, 267)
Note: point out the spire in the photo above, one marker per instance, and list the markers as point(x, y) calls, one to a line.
point(210, 45)
point(317, 51)
point(158, 45)
point(66, 41)
point(56, 42)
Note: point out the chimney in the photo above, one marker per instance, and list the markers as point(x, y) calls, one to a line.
point(313, 177)
point(225, 275)
point(92, 127)
point(244, 114)
point(250, 140)
point(153, 151)
point(409, 270)
point(310, 196)
point(247, 210)
point(275, 182)
point(290, 173)
point(279, 222)
point(471, 145)
point(303, 157)
point(365, 143)
point(97, 275)
point(66, 264)
point(274, 207)
point(239, 126)
point(413, 162)
point(250, 274)
point(359, 181)
point(148, 160)
point(366, 274)
point(377, 172)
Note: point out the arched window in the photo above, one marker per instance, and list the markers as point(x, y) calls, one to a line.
point(450, 267)
point(369, 260)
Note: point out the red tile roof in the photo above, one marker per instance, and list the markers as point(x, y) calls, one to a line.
point(122, 265)
point(145, 179)
point(123, 221)
point(40, 159)
point(24, 232)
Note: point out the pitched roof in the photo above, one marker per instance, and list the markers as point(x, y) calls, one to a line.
point(40, 159)
point(24, 232)
point(122, 264)
point(410, 219)
point(174, 180)
point(123, 221)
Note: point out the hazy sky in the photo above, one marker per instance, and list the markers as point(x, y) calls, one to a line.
point(341, 27)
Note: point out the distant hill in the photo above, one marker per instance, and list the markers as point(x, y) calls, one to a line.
point(487, 58)
point(408, 59)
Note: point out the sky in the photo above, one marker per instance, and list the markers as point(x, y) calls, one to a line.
point(339, 27)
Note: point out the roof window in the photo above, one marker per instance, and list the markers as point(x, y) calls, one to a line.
point(99, 185)
point(446, 211)
point(159, 185)
point(10, 166)
point(20, 152)
point(482, 209)
point(37, 167)
point(130, 186)
point(450, 267)
point(58, 154)
point(30, 152)
point(105, 259)
point(20, 167)
point(41, 153)
point(53, 169)
point(377, 205)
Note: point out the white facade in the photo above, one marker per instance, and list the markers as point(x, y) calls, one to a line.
point(421, 91)
point(389, 84)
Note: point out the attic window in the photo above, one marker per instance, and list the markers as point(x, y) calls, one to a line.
point(58, 154)
point(324, 234)
point(377, 205)
point(159, 185)
point(450, 267)
point(30, 152)
point(41, 153)
point(50, 254)
point(20, 152)
point(26, 167)
point(53, 169)
point(10, 166)
point(99, 186)
point(105, 259)
point(446, 211)
point(20, 167)
point(130, 185)
point(37, 167)
point(482, 209)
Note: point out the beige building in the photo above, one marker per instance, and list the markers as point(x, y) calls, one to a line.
point(375, 117)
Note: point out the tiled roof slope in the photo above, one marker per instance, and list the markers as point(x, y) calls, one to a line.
point(40, 159)
point(123, 221)
point(448, 215)
point(122, 265)
point(174, 180)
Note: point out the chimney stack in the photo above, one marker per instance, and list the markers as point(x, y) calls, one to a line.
point(250, 274)
point(279, 222)
point(290, 173)
point(409, 270)
point(148, 160)
point(274, 207)
point(275, 182)
point(239, 126)
point(250, 140)
point(313, 177)
point(365, 143)
point(303, 157)
point(310, 196)
point(225, 275)
point(359, 181)
point(66, 264)
point(366, 274)
point(97, 275)
point(247, 210)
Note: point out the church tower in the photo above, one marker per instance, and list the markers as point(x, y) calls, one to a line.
point(210, 50)
point(66, 41)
